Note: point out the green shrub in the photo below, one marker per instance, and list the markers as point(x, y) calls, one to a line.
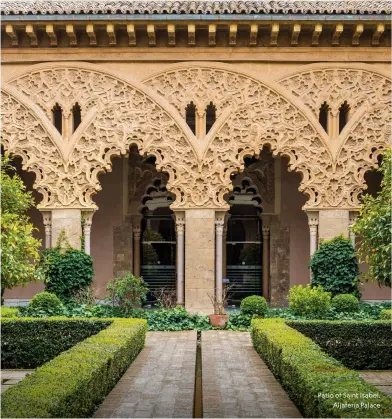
point(127, 292)
point(386, 314)
point(335, 267)
point(358, 344)
point(67, 271)
point(74, 383)
point(345, 303)
point(46, 301)
point(29, 343)
point(254, 305)
point(9, 312)
point(176, 319)
point(309, 301)
point(309, 375)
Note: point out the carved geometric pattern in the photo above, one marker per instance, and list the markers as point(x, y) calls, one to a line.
point(335, 86)
point(119, 114)
point(122, 115)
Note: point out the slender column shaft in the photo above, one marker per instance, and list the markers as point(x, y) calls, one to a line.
point(47, 217)
point(351, 221)
point(219, 224)
point(136, 250)
point(180, 231)
point(265, 287)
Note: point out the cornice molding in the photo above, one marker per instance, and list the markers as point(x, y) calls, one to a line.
point(334, 7)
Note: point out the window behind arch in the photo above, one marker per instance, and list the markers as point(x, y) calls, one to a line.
point(210, 116)
point(190, 116)
point(57, 114)
point(323, 116)
point(343, 115)
point(76, 116)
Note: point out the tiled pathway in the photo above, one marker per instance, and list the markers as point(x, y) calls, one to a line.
point(381, 379)
point(236, 381)
point(159, 383)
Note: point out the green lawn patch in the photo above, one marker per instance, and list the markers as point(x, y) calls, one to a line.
point(319, 385)
point(74, 383)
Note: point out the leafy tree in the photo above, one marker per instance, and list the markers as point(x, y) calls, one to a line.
point(335, 267)
point(20, 250)
point(373, 228)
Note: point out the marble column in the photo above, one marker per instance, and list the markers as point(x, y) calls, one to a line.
point(88, 218)
point(313, 221)
point(180, 232)
point(67, 224)
point(351, 221)
point(265, 268)
point(136, 250)
point(47, 218)
point(219, 224)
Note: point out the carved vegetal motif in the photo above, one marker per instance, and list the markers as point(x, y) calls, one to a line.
point(121, 115)
point(118, 114)
point(366, 140)
point(336, 86)
point(202, 85)
point(25, 136)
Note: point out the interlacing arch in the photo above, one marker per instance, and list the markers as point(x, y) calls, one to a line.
point(250, 113)
point(253, 112)
point(117, 114)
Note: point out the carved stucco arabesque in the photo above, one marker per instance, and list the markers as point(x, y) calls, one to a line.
point(251, 113)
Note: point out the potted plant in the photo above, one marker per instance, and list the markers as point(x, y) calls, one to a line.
point(219, 318)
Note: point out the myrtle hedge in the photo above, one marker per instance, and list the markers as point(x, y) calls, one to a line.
point(358, 344)
point(310, 376)
point(30, 342)
point(386, 314)
point(9, 312)
point(74, 383)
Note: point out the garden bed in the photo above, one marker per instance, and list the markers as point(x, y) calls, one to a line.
point(320, 385)
point(357, 344)
point(30, 342)
point(74, 383)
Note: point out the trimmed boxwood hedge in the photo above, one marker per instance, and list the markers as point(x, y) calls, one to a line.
point(310, 376)
point(74, 383)
point(358, 344)
point(386, 314)
point(30, 342)
point(9, 312)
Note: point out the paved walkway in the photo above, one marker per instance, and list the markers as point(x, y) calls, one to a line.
point(159, 383)
point(236, 381)
point(381, 379)
point(12, 377)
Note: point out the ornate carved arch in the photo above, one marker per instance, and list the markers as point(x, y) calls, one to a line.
point(333, 83)
point(122, 114)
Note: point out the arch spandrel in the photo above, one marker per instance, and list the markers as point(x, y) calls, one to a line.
point(24, 135)
point(334, 84)
point(124, 115)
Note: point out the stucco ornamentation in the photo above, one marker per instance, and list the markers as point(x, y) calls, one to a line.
point(251, 114)
point(200, 6)
point(120, 115)
point(336, 86)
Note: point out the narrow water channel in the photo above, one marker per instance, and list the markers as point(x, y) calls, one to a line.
point(198, 399)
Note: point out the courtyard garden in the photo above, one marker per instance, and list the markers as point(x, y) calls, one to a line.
point(75, 350)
